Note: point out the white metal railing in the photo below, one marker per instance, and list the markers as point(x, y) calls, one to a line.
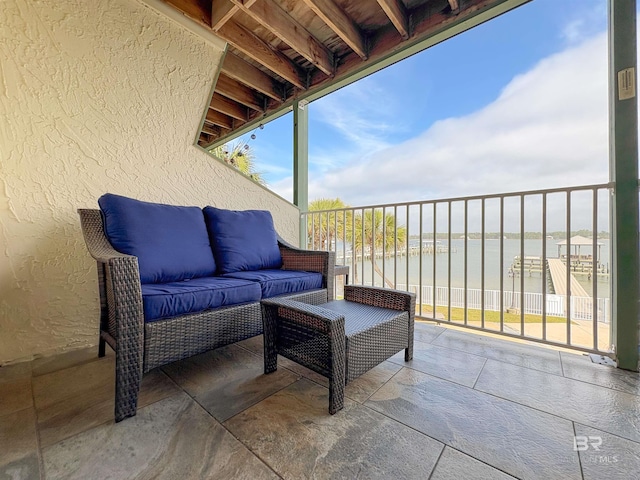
point(470, 249)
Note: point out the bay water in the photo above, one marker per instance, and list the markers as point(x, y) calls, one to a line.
point(494, 264)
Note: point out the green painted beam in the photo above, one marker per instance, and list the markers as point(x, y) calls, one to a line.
point(301, 161)
point(623, 158)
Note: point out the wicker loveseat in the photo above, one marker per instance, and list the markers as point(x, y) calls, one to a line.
point(164, 297)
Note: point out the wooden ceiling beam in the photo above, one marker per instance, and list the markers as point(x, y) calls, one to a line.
point(211, 130)
point(341, 24)
point(252, 76)
point(229, 107)
point(387, 41)
point(219, 119)
point(205, 140)
point(269, 14)
point(221, 13)
point(252, 46)
point(223, 10)
point(193, 9)
point(397, 13)
point(238, 92)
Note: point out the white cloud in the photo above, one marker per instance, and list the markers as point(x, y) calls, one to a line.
point(356, 113)
point(589, 18)
point(548, 128)
point(283, 187)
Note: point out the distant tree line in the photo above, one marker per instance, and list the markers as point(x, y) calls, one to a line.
point(557, 235)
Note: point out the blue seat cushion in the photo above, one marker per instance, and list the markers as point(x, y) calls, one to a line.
point(171, 242)
point(191, 296)
point(280, 282)
point(242, 240)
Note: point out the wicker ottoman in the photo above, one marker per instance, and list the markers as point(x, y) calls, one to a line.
point(340, 339)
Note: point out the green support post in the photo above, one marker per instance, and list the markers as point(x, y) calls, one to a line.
point(623, 158)
point(301, 161)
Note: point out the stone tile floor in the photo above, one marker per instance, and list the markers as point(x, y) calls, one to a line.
point(467, 406)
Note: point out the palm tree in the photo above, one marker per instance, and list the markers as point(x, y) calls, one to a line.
point(242, 157)
point(324, 228)
point(380, 232)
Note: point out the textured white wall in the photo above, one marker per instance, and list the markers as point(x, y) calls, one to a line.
point(95, 96)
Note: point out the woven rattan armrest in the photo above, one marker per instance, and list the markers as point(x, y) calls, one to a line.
point(312, 316)
point(381, 297)
point(122, 316)
point(97, 244)
point(310, 261)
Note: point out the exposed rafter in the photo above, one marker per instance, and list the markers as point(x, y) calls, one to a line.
point(219, 119)
point(221, 13)
point(244, 72)
point(269, 14)
point(398, 15)
point(340, 23)
point(211, 130)
point(234, 90)
point(193, 9)
point(281, 51)
point(387, 41)
point(229, 107)
point(223, 10)
point(252, 46)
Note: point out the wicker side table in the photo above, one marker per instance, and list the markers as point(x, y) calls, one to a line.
point(341, 339)
point(342, 270)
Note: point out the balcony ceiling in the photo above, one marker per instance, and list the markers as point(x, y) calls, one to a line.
point(282, 50)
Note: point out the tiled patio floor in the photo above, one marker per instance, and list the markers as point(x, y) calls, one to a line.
point(467, 406)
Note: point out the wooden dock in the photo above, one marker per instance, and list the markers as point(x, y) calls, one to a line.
point(558, 272)
point(531, 265)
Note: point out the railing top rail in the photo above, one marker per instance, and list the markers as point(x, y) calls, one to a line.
point(598, 186)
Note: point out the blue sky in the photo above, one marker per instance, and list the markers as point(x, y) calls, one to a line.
point(517, 103)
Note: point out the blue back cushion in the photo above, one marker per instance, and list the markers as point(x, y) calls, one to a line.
point(242, 241)
point(171, 242)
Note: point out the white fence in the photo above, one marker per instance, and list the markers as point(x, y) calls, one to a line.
point(581, 308)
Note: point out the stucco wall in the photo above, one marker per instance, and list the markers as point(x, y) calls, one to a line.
point(95, 96)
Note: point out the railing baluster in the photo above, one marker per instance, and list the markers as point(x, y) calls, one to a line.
point(502, 263)
point(466, 262)
point(344, 238)
point(374, 234)
point(448, 262)
point(420, 266)
point(435, 235)
point(543, 266)
point(335, 232)
point(595, 260)
point(313, 232)
point(362, 240)
point(395, 248)
point(384, 245)
point(407, 248)
point(482, 259)
point(568, 268)
point(522, 197)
